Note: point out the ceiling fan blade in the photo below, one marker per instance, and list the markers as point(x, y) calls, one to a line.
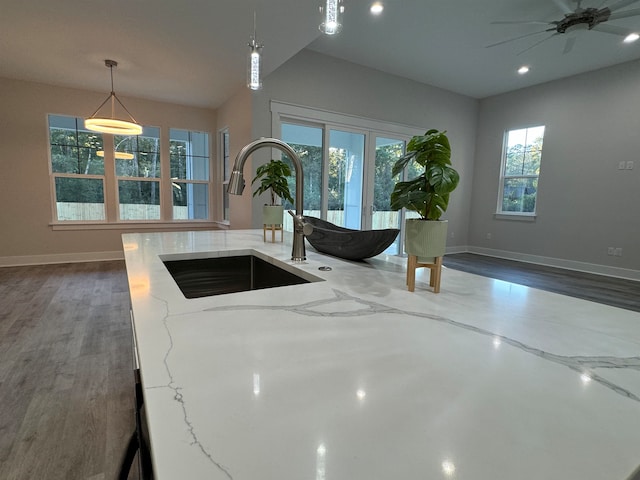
point(515, 38)
point(564, 6)
point(620, 4)
point(568, 46)
point(520, 22)
point(538, 43)
point(613, 29)
point(627, 13)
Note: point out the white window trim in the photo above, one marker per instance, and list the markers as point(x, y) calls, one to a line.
point(506, 215)
point(223, 182)
point(110, 188)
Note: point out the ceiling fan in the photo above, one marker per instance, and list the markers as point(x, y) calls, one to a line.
point(590, 18)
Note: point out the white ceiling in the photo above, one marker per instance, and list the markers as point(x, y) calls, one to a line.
point(193, 52)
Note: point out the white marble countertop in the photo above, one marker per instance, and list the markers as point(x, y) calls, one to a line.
point(357, 378)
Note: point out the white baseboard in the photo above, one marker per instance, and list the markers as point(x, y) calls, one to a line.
point(19, 261)
point(594, 268)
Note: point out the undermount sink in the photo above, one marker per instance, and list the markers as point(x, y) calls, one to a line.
point(204, 277)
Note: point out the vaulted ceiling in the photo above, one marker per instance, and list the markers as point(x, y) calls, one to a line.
point(194, 52)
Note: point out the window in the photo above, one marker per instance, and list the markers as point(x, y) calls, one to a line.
point(115, 178)
point(189, 158)
point(137, 160)
point(226, 171)
point(77, 170)
point(520, 171)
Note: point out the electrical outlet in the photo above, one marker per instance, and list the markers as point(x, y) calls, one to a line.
point(488, 236)
point(629, 164)
point(622, 165)
point(618, 252)
point(451, 234)
point(610, 251)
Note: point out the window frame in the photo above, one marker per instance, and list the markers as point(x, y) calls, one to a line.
point(53, 175)
point(191, 181)
point(225, 167)
point(110, 181)
point(125, 178)
point(517, 215)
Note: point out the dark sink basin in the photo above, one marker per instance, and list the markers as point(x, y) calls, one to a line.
point(204, 277)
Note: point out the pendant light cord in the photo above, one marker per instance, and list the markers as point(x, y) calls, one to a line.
point(113, 97)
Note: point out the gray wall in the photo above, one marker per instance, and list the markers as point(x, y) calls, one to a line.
point(315, 80)
point(585, 203)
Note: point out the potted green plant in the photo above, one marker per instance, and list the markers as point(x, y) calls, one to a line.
point(427, 194)
point(273, 179)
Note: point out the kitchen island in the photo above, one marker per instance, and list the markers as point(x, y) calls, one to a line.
point(353, 377)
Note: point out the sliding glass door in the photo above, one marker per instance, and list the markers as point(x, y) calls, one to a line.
point(347, 175)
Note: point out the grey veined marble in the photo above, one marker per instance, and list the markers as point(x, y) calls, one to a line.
point(355, 377)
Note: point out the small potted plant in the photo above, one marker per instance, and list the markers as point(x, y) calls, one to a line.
point(273, 178)
point(428, 195)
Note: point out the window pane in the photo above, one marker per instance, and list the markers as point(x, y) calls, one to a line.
point(190, 201)
point(388, 151)
point(79, 198)
point(524, 151)
point(73, 149)
point(138, 155)
point(346, 156)
point(82, 161)
point(519, 195)
point(189, 155)
point(139, 200)
point(226, 173)
point(307, 143)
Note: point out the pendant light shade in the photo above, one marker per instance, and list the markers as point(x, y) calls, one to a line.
point(111, 124)
point(254, 74)
point(331, 11)
point(254, 65)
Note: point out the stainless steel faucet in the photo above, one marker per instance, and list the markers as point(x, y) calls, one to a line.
point(236, 185)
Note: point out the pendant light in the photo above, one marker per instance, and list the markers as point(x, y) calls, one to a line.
point(331, 11)
point(105, 124)
point(254, 74)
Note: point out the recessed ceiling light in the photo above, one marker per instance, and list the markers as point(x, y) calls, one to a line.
point(376, 8)
point(632, 37)
point(523, 69)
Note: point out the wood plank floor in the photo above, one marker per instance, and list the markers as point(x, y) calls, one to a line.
point(612, 291)
point(66, 378)
point(66, 381)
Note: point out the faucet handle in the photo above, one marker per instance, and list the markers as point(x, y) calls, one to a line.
point(300, 225)
point(307, 229)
